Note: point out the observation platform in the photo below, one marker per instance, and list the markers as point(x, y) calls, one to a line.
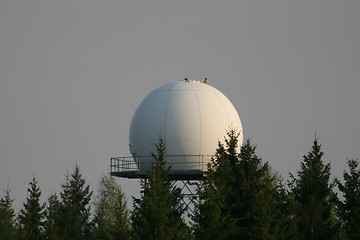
point(182, 167)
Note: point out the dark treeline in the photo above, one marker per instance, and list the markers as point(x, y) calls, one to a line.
point(241, 198)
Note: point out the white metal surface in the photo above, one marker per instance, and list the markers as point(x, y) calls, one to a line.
point(189, 115)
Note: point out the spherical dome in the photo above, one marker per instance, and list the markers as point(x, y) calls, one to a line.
point(190, 116)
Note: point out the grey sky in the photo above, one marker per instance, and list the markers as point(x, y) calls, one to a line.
point(72, 73)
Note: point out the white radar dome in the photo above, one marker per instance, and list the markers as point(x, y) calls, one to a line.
point(190, 116)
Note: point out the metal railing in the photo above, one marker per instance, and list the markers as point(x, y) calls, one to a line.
point(176, 162)
point(123, 164)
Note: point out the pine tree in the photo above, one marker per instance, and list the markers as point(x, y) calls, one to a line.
point(158, 213)
point(209, 219)
point(7, 215)
point(350, 207)
point(51, 226)
point(239, 195)
point(285, 224)
point(74, 214)
point(111, 220)
point(253, 204)
point(314, 197)
point(31, 217)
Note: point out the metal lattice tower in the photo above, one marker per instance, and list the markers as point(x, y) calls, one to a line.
point(187, 181)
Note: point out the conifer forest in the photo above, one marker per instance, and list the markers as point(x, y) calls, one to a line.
point(241, 197)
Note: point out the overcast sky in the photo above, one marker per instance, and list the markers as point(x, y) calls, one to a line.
point(72, 73)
